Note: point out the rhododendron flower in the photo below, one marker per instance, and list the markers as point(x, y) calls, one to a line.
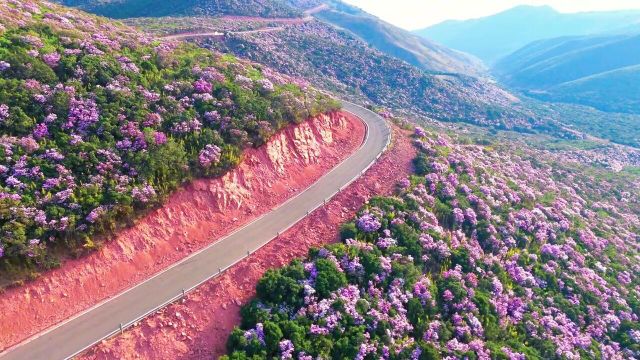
point(458, 216)
point(265, 85)
point(143, 193)
point(51, 59)
point(4, 112)
point(368, 223)
point(4, 65)
point(95, 214)
point(160, 138)
point(41, 131)
point(202, 86)
point(447, 295)
point(286, 349)
point(153, 120)
point(82, 114)
point(209, 155)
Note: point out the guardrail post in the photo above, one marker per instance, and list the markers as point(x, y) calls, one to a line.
point(183, 292)
point(219, 270)
point(121, 328)
point(248, 252)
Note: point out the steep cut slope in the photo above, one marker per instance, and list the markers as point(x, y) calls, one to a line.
point(599, 71)
point(153, 8)
point(400, 43)
point(490, 38)
point(99, 123)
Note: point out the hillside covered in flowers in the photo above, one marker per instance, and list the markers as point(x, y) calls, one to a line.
point(99, 122)
point(488, 252)
point(138, 8)
point(359, 71)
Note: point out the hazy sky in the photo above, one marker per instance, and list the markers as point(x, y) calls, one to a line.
point(415, 14)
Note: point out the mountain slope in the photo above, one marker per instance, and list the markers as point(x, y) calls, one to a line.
point(493, 251)
point(612, 91)
point(152, 8)
point(400, 43)
point(340, 62)
point(493, 37)
point(599, 71)
point(99, 122)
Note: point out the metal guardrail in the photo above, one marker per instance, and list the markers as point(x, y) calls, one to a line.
point(184, 292)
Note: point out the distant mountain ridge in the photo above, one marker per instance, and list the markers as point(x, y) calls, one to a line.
point(400, 43)
point(600, 71)
point(493, 37)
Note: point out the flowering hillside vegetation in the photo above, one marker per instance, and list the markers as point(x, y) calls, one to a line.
point(486, 253)
point(358, 70)
point(153, 8)
point(98, 121)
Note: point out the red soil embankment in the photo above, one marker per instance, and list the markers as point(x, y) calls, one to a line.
point(191, 218)
point(198, 327)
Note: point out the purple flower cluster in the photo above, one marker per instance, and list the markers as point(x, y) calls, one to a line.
point(210, 155)
point(51, 59)
point(4, 112)
point(368, 223)
point(83, 113)
point(202, 86)
point(144, 193)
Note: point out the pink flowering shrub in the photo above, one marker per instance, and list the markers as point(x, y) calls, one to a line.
point(98, 122)
point(491, 254)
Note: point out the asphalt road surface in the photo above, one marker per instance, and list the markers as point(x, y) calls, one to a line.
point(80, 332)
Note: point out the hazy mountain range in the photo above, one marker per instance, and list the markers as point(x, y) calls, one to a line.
point(493, 37)
point(415, 50)
point(584, 58)
point(600, 71)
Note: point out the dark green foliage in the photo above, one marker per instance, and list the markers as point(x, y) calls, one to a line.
point(275, 287)
point(329, 278)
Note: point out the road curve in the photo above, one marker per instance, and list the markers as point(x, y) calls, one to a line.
point(82, 331)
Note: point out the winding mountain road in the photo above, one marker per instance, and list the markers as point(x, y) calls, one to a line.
point(75, 335)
